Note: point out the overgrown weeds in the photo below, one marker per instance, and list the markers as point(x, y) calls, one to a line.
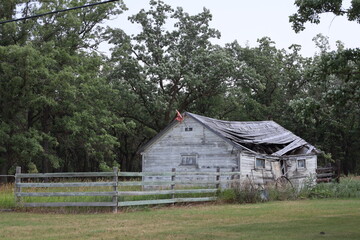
point(247, 192)
point(347, 188)
point(7, 199)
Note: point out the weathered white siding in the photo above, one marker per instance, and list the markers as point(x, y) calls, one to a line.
point(272, 169)
point(250, 172)
point(211, 151)
point(297, 175)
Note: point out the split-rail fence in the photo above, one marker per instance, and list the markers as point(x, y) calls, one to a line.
point(173, 186)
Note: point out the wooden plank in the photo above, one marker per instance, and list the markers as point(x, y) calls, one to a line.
point(207, 173)
point(324, 180)
point(150, 183)
point(181, 191)
point(139, 183)
point(163, 192)
point(70, 204)
point(323, 175)
point(17, 188)
point(145, 202)
point(65, 194)
point(201, 199)
point(165, 201)
point(197, 182)
point(69, 174)
point(115, 189)
point(196, 173)
point(72, 184)
point(151, 174)
point(121, 174)
point(327, 169)
point(144, 174)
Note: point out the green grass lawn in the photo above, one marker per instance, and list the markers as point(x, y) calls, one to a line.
point(306, 219)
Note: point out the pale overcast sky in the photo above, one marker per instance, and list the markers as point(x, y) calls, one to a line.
point(248, 20)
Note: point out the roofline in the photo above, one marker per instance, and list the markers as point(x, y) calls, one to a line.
point(156, 137)
point(174, 122)
point(235, 145)
point(238, 146)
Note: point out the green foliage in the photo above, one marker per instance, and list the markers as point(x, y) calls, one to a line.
point(310, 11)
point(7, 199)
point(328, 111)
point(245, 192)
point(55, 109)
point(347, 188)
point(167, 70)
point(64, 107)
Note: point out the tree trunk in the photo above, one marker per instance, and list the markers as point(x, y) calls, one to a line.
point(4, 171)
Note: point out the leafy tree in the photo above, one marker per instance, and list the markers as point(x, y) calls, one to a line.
point(310, 11)
point(266, 79)
point(159, 70)
point(329, 112)
point(331, 107)
point(55, 106)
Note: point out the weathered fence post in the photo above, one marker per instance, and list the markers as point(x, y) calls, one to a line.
point(218, 178)
point(17, 188)
point(172, 187)
point(115, 188)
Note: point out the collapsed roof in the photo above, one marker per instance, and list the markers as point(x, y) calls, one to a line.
point(264, 137)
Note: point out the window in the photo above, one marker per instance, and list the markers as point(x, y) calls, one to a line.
point(188, 159)
point(260, 163)
point(188, 129)
point(301, 163)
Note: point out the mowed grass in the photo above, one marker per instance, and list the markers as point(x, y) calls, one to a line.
point(306, 219)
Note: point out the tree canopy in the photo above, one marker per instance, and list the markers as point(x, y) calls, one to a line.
point(66, 107)
point(310, 11)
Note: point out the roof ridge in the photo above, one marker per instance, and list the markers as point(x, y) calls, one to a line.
point(257, 121)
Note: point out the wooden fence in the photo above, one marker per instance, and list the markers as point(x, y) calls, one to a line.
point(327, 174)
point(175, 187)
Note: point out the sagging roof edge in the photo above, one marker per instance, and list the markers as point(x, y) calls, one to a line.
point(282, 151)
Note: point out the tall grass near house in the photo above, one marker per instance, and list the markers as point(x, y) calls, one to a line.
point(348, 187)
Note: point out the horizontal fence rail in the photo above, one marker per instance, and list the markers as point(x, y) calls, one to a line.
point(112, 182)
point(327, 174)
point(208, 185)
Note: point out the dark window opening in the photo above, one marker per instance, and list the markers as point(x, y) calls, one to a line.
point(260, 163)
point(188, 129)
point(301, 163)
point(188, 160)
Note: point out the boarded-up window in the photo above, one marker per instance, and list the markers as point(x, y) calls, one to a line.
point(188, 159)
point(260, 163)
point(301, 163)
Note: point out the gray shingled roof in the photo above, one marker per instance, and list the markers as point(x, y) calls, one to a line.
point(265, 137)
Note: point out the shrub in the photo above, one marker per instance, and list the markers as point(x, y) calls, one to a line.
point(244, 192)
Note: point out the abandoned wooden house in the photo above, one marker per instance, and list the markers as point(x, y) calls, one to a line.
point(261, 151)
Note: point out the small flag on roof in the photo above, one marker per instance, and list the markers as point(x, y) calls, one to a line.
point(179, 117)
